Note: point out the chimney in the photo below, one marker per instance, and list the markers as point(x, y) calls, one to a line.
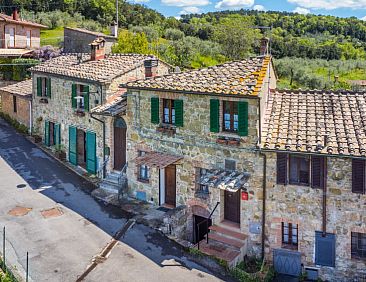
point(151, 67)
point(114, 29)
point(97, 49)
point(15, 14)
point(264, 46)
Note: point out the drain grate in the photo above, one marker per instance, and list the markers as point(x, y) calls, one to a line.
point(19, 211)
point(54, 212)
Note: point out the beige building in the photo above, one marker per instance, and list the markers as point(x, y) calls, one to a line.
point(274, 174)
point(78, 106)
point(16, 101)
point(18, 37)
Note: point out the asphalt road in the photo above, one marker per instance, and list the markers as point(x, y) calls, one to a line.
point(47, 213)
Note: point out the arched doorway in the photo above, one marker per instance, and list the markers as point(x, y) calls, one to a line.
point(120, 129)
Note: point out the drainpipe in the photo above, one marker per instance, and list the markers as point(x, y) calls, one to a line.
point(30, 118)
point(324, 217)
point(103, 123)
point(264, 186)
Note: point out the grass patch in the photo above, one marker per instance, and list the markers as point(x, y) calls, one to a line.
point(52, 37)
point(14, 123)
point(6, 276)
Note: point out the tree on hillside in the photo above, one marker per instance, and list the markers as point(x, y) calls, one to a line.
point(129, 42)
point(236, 36)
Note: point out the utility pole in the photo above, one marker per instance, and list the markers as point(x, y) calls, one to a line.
point(117, 13)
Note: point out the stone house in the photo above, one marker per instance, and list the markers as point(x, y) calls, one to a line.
point(18, 37)
point(16, 101)
point(193, 145)
point(314, 143)
point(77, 40)
point(78, 105)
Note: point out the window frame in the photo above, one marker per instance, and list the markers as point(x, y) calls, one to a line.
point(232, 114)
point(145, 176)
point(355, 254)
point(169, 105)
point(44, 87)
point(290, 162)
point(80, 93)
point(290, 244)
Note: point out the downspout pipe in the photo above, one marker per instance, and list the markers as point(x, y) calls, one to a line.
point(264, 187)
point(324, 217)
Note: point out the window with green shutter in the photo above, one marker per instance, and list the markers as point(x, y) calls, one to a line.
point(214, 115)
point(179, 114)
point(91, 152)
point(73, 145)
point(47, 133)
point(57, 134)
point(39, 86)
point(155, 110)
point(243, 118)
point(73, 96)
point(48, 87)
point(85, 93)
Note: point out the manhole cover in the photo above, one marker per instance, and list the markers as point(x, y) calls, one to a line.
point(19, 211)
point(54, 212)
point(21, 186)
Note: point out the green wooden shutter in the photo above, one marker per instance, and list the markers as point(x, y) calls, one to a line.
point(47, 133)
point(155, 110)
point(214, 115)
point(243, 118)
point(179, 114)
point(49, 87)
point(86, 98)
point(39, 86)
point(91, 152)
point(57, 134)
point(73, 96)
point(73, 145)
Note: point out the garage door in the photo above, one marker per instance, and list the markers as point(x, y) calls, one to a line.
point(287, 262)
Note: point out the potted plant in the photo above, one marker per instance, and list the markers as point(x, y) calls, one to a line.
point(233, 142)
point(60, 152)
point(221, 141)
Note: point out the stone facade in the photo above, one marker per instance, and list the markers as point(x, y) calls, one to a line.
point(77, 40)
point(58, 108)
point(302, 205)
point(20, 35)
point(23, 106)
point(199, 149)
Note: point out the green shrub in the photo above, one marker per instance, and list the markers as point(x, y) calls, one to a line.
point(20, 69)
point(14, 123)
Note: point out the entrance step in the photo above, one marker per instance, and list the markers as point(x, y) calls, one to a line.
point(229, 233)
point(110, 187)
point(235, 244)
point(221, 251)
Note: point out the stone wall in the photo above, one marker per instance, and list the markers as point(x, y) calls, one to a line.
point(21, 36)
point(198, 146)
point(7, 106)
point(303, 205)
point(78, 41)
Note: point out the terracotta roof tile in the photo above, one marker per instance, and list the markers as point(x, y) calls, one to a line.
point(23, 88)
point(157, 159)
point(316, 122)
point(20, 21)
point(239, 77)
point(101, 70)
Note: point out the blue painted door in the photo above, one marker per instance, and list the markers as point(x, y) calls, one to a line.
point(91, 152)
point(72, 145)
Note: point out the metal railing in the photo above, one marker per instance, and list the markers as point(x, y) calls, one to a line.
point(121, 173)
point(205, 221)
point(101, 169)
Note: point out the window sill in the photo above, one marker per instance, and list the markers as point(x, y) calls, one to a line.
point(230, 141)
point(299, 184)
point(166, 129)
point(289, 247)
point(146, 181)
point(357, 258)
point(79, 113)
point(43, 101)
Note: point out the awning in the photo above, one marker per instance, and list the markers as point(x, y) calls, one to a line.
point(115, 107)
point(226, 180)
point(156, 159)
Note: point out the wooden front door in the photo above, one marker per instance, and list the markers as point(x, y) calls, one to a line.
point(52, 134)
point(232, 206)
point(119, 144)
point(170, 185)
point(81, 154)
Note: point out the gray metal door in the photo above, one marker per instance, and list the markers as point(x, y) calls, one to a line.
point(287, 262)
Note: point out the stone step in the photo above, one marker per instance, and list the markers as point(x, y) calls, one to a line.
point(218, 250)
point(109, 187)
point(235, 244)
point(225, 232)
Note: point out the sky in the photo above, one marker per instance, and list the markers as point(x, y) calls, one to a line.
point(340, 8)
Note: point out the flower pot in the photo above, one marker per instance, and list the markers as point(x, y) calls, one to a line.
point(221, 141)
point(233, 142)
point(60, 155)
point(37, 139)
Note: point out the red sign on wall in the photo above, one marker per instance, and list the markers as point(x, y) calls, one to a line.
point(244, 196)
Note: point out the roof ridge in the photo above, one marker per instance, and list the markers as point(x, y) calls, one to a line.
point(323, 91)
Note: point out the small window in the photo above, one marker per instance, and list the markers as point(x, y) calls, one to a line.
point(230, 165)
point(201, 189)
point(230, 116)
point(15, 104)
point(358, 245)
point(289, 235)
point(80, 98)
point(299, 170)
point(168, 111)
point(144, 172)
point(44, 86)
